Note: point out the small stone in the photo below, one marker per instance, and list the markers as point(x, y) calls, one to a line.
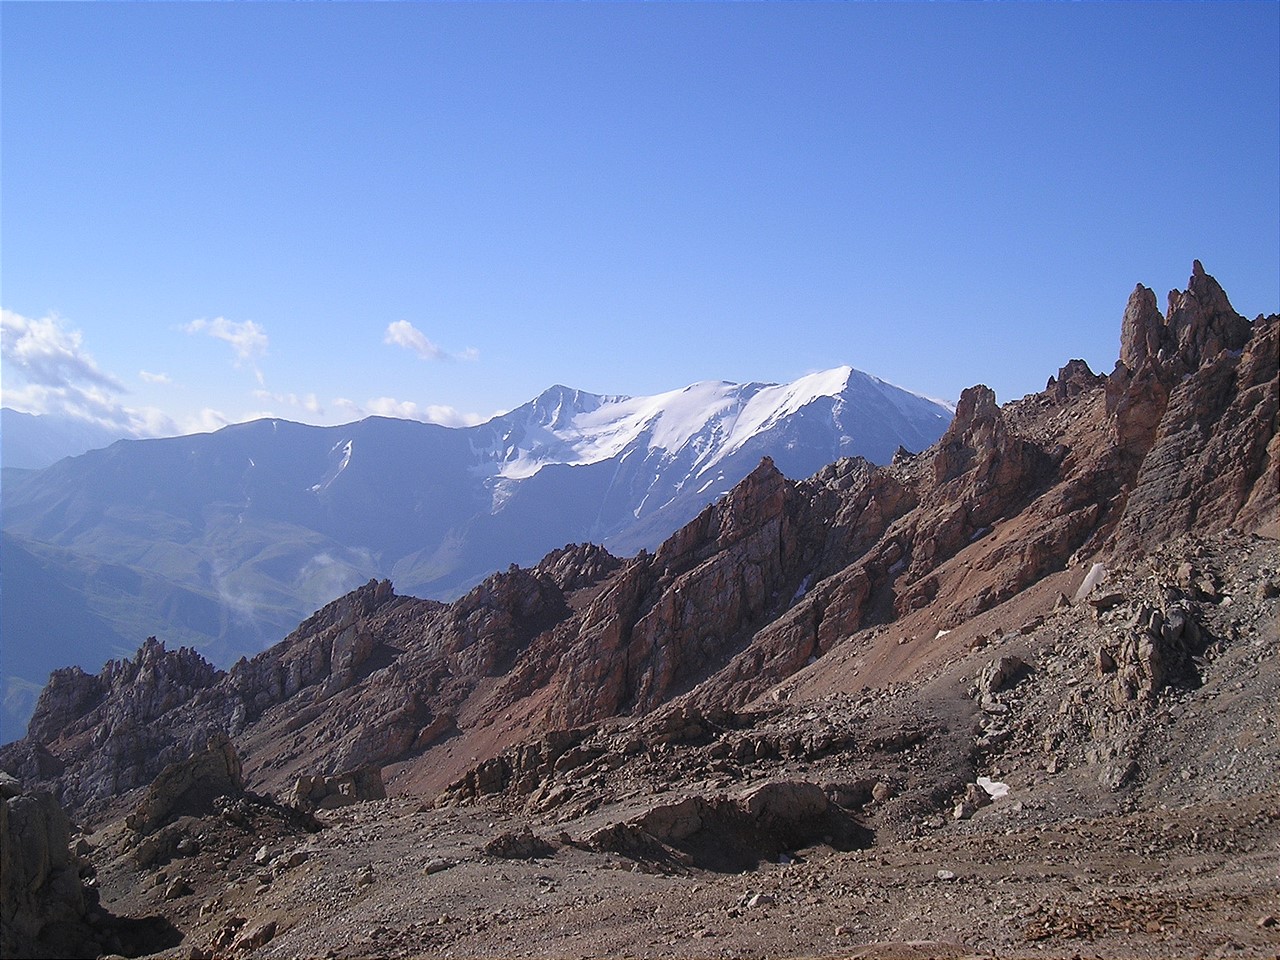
point(946, 875)
point(255, 937)
point(761, 900)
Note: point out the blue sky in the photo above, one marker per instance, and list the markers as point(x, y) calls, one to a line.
point(212, 212)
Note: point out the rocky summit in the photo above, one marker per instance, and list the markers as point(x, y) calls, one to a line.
point(1011, 696)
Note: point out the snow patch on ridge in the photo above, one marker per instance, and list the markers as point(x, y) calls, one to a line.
point(332, 475)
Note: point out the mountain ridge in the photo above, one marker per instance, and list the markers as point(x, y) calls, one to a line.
point(272, 518)
point(780, 571)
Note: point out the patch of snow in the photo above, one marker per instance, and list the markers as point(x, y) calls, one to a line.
point(995, 789)
point(716, 479)
point(1097, 573)
point(502, 491)
point(333, 474)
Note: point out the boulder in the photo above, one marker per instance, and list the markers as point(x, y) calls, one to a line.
point(189, 788)
point(343, 789)
point(43, 904)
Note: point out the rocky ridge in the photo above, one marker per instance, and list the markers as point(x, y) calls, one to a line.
point(1048, 599)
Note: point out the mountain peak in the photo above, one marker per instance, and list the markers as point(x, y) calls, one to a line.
point(556, 406)
point(1198, 324)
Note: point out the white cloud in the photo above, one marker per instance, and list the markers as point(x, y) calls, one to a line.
point(147, 377)
point(47, 353)
point(409, 410)
point(307, 402)
point(153, 422)
point(92, 406)
point(56, 376)
point(247, 339)
point(402, 333)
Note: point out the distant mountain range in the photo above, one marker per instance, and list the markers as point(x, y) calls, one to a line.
point(33, 442)
point(224, 541)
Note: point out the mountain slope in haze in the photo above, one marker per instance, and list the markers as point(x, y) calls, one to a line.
point(272, 519)
point(35, 441)
point(87, 612)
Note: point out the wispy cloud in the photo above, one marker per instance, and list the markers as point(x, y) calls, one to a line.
point(49, 354)
point(247, 339)
point(208, 420)
point(404, 334)
point(147, 377)
point(307, 401)
point(51, 373)
point(409, 410)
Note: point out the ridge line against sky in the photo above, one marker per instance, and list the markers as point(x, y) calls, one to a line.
point(216, 212)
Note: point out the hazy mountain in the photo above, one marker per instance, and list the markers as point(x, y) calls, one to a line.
point(32, 442)
point(261, 523)
point(59, 607)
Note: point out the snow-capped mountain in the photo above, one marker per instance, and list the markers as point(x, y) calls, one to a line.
point(710, 421)
point(226, 540)
point(671, 454)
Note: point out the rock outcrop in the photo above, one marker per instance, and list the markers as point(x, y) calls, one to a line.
point(189, 788)
point(43, 903)
point(732, 834)
point(1213, 457)
point(326, 793)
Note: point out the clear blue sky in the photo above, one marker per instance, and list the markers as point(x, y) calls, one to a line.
point(317, 211)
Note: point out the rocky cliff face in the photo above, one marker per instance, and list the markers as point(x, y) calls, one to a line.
point(1181, 436)
point(40, 887)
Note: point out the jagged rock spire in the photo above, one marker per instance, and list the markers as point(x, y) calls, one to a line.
point(1198, 324)
point(1142, 329)
point(1202, 321)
